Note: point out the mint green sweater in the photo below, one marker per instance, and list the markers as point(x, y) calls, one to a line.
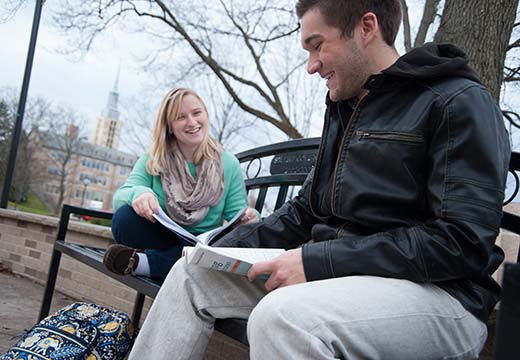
point(233, 200)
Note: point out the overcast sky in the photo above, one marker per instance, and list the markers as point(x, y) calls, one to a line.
point(84, 85)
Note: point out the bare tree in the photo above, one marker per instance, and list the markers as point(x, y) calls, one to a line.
point(6, 125)
point(57, 160)
point(66, 137)
point(20, 185)
point(139, 117)
point(485, 30)
point(8, 9)
point(226, 121)
point(240, 42)
point(429, 13)
point(486, 41)
point(38, 111)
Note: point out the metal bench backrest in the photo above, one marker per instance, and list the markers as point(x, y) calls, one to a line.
point(291, 162)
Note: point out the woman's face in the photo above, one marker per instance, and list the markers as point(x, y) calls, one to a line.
point(190, 126)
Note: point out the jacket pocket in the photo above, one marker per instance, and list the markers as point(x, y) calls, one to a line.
point(390, 136)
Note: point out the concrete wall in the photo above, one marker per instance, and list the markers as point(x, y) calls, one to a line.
point(26, 242)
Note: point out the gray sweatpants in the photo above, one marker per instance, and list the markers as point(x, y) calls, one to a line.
point(356, 317)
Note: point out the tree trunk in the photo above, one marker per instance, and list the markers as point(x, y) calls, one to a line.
point(482, 28)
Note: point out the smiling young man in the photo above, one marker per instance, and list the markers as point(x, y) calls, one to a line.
point(403, 208)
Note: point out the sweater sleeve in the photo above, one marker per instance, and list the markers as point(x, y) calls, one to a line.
point(138, 182)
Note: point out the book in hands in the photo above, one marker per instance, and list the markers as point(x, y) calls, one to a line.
point(207, 238)
point(232, 260)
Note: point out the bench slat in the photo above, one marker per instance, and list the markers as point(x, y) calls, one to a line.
point(260, 200)
point(282, 195)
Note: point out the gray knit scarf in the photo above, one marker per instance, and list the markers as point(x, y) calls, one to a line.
point(187, 198)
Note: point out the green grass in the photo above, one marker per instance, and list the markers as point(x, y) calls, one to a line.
point(32, 205)
point(35, 206)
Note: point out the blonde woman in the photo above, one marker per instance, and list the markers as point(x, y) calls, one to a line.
point(188, 175)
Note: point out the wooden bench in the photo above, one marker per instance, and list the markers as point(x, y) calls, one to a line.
point(289, 164)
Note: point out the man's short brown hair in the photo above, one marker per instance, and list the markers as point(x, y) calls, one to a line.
point(345, 14)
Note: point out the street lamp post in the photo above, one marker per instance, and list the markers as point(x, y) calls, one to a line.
point(21, 105)
point(86, 183)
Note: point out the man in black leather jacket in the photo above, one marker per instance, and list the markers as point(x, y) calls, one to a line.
point(403, 208)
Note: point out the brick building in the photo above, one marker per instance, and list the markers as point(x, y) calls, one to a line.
point(90, 172)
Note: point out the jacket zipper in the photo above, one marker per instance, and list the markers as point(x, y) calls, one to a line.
point(382, 135)
point(318, 159)
point(344, 140)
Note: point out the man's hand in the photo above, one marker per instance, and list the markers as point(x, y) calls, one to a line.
point(286, 269)
point(145, 205)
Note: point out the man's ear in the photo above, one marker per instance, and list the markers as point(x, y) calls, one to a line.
point(368, 28)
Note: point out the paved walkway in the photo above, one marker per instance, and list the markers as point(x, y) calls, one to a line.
point(20, 300)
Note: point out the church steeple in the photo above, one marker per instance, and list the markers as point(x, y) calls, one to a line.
point(108, 127)
point(112, 109)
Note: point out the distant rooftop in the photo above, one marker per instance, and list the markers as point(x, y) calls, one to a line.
point(87, 149)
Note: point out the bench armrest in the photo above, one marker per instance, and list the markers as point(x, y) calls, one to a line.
point(67, 210)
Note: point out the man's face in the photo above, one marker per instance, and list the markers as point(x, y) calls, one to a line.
point(336, 58)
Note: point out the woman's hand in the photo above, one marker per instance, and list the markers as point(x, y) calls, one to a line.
point(249, 217)
point(145, 205)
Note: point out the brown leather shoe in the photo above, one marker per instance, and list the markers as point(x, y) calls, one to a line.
point(121, 259)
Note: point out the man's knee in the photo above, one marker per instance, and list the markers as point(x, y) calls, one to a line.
point(177, 272)
point(273, 315)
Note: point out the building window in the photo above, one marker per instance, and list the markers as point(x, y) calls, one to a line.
point(54, 170)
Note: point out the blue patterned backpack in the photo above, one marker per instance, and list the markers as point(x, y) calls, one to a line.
point(79, 331)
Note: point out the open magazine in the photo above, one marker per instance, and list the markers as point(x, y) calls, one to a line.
point(233, 260)
point(206, 238)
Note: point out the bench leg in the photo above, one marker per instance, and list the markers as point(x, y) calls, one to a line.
point(51, 283)
point(508, 322)
point(138, 309)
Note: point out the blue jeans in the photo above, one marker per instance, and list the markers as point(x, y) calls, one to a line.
point(161, 246)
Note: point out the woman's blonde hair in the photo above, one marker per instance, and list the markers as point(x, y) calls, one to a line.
point(163, 138)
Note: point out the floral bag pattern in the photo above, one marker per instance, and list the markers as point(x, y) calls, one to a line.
point(79, 331)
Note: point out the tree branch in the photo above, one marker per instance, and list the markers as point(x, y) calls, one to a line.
point(406, 27)
point(429, 12)
point(513, 45)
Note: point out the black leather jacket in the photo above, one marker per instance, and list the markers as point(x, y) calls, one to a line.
point(411, 188)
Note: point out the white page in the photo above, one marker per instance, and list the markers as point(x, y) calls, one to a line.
point(250, 255)
point(205, 238)
point(164, 219)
